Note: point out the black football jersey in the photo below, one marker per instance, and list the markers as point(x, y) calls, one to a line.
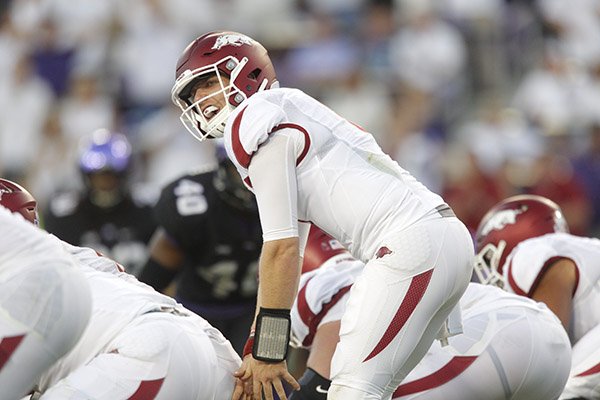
point(121, 232)
point(221, 243)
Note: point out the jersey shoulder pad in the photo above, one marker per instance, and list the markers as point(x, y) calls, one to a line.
point(527, 262)
point(250, 126)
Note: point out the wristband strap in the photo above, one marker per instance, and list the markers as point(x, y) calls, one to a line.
point(272, 335)
point(248, 346)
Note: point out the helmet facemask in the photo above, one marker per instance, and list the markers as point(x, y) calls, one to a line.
point(487, 264)
point(193, 118)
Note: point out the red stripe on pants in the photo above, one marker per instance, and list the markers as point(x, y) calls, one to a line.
point(8, 345)
point(415, 292)
point(445, 374)
point(147, 390)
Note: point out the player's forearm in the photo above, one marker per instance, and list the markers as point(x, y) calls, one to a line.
point(279, 272)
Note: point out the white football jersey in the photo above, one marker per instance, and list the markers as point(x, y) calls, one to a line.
point(531, 257)
point(321, 296)
point(346, 185)
point(117, 299)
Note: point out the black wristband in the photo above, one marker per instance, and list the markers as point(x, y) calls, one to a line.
point(272, 335)
point(156, 275)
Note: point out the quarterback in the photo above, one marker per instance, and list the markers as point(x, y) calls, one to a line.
point(306, 164)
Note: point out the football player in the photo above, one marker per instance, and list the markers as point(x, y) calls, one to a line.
point(138, 344)
point(523, 246)
point(209, 240)
point(306, 163)
point(45, 301)
point(107, 216)
point(511, 348)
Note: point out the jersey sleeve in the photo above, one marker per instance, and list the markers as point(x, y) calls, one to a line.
point(527, 265)
point(322, 297)
point(93, 259)
point(273, 176)
point(249, 127)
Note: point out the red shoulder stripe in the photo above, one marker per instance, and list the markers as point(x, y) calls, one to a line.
point(306, 138)
point(241, 156)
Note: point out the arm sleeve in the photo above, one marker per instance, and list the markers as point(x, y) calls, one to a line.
point(272, 171)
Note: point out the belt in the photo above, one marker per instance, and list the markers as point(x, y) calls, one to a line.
point(445, 211)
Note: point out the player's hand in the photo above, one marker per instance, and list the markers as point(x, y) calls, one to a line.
point(243, 382)
point(256, 377)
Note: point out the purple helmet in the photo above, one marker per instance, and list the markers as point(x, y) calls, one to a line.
point(105, 151)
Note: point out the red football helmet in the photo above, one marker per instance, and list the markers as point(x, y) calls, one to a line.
point(18, 200)
point(241, 59)
point(508, 223)
point(320, 247)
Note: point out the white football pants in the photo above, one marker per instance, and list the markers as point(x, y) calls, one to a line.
point(516, 353)
point(158, 356)
point(398, 305)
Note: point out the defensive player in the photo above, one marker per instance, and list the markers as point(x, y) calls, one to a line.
point(523, 245)
point(107, 215)
point(209, 241)
point(306, 163)
point(45, 301)
point(511, 348)
point(139, 344)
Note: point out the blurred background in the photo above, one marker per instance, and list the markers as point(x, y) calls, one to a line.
point(478, 99)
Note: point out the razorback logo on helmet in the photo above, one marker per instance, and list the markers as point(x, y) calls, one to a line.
point(231, 40)
point(502, 218)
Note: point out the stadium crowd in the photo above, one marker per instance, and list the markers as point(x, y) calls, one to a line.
point(479, 100)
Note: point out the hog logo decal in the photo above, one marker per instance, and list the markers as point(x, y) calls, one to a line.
point(502, 218)
point(231, 40)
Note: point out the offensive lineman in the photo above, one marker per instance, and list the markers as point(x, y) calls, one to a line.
point(305, 163)
point(139, 344)
point(523, 246)
point(511, 348)
point(45, 301)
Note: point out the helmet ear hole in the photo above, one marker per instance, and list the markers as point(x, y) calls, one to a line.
point(254, 74)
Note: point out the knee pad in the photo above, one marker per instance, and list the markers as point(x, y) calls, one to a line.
point(312, 387)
